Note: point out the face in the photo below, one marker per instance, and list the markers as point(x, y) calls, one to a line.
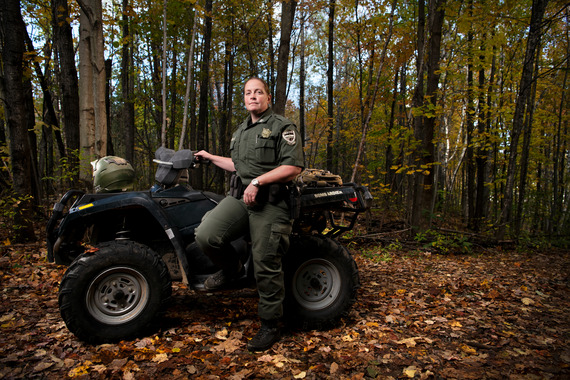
point(255, 96)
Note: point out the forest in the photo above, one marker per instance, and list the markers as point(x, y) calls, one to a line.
point(453, 113)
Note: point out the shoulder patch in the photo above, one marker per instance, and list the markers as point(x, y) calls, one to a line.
point(290, 137)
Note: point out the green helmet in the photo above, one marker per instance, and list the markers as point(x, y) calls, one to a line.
point(112, 174)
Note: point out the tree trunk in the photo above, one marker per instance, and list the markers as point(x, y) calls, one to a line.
point(535, 33)
point(173, 97)
point(50, 127)
point(417, 103)
point(424, 186)
point(163, 81)
point(330, 83)
point(227, 105)
point(271, 74)
point(202, 127)
point(302, 79)
point(92, 82)
point(13, 48)
point(526, 148)
point(559, 150)
point(189, 80)
point(127, 86)
point(482, 200)
point(437, 9)
point(108, 71)
point(68, 83)
point(389, 177)
point(287, 17)
point(470, 128)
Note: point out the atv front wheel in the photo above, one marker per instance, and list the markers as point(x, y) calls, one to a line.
point(114, 292)
point(321, 282)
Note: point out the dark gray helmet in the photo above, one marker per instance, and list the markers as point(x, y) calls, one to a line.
point(111, 174)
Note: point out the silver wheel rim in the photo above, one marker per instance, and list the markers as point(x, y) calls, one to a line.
point(117, 295)
point(316, 284)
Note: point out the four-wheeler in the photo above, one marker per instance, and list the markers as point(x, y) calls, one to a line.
point(124, 248)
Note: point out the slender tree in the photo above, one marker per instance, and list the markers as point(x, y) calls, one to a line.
point(302, 79)
point(204, 93)
point(189, 79)
point(127, 85)
point(330, 86)
point(49, 110)
point(535, 33)
point(163, 81)
point(68, 82)
point(470, 126)
point(556, 215)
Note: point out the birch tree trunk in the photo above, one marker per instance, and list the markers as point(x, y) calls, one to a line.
point(92, 82)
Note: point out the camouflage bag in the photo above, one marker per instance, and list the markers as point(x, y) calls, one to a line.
point(317, 178)
point(310, 180)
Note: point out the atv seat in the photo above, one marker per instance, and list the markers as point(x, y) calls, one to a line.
point(172, 165)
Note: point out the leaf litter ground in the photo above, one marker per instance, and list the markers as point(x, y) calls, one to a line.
point(419, 315)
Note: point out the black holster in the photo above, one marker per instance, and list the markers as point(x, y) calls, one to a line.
point(236, 186)
point(278, 192)
point(294, 201)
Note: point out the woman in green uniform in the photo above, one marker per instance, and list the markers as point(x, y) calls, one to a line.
point(266, 154)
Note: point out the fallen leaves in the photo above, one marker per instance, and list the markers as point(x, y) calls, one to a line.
point(418, 317)
point(527, 301)
point(412, 342)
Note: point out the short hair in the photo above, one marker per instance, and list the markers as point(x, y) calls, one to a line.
point(265, 85)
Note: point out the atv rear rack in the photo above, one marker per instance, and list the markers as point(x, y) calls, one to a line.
point(349, 200)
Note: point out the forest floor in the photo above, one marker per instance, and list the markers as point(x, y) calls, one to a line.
point(490, 314)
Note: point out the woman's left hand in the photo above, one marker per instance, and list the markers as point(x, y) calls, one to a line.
point(249, 195)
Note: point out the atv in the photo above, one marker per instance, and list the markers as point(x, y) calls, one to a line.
point(123, 249)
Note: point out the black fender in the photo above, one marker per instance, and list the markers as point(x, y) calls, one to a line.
point(93, 204)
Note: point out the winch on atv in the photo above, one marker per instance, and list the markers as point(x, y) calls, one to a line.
point(124, 248)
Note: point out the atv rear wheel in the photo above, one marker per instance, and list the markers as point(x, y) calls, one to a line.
point(321, 282)
point(114, 292)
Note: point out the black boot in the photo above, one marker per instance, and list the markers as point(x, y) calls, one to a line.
point(267, 335)
point(221, 278)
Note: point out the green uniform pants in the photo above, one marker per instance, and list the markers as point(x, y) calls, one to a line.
point(269, 226)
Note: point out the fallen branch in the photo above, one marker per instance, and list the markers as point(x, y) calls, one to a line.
point(380, 234)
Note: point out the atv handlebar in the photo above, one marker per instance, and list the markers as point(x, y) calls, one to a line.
point(172, 165)
point(182, 159)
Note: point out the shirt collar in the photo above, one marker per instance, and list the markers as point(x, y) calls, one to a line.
point(262, 119)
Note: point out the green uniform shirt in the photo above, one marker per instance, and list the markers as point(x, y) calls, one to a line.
point(262, 146)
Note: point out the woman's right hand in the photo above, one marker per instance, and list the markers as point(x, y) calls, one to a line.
point(203, 155)
point(225, 163)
